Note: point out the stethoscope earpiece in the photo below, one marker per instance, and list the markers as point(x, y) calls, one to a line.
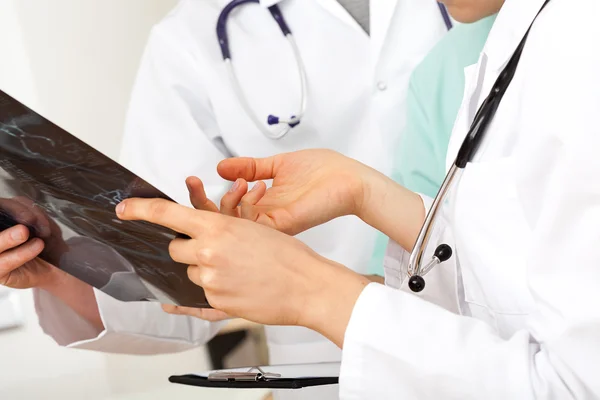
point(416, 283)
point(442, 253)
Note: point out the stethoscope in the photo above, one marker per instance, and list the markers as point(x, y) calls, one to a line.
point(467, 151)
point(294, 120)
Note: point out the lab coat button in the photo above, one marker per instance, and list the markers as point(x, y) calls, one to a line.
point(381, 85)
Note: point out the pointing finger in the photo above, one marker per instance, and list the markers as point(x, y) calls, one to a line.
point(166, 213)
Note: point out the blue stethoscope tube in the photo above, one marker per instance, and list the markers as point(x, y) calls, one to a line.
point(294, 120)
point(445, 16)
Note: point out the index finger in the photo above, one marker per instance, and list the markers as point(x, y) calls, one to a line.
point(249, 169)
point(165, 213)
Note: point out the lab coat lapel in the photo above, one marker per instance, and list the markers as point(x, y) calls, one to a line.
point(382, 13)
point(510, 26)
point(331, 6)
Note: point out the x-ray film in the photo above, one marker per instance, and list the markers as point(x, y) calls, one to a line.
point(66, 192)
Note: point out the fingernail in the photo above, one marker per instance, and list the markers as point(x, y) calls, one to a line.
point(120, 208)
point(254, 188)
point(17, 235)
point(235, 186)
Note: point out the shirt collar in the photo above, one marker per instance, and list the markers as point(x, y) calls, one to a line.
point(510, 26)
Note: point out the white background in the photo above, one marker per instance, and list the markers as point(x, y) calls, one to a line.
point(74, 62)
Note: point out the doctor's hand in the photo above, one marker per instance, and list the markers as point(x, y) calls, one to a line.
point(254, 272)
point(310, 187)
point(229, 206)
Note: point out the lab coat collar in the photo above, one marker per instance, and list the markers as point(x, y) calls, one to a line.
point(510, 26)
point(338, 11)
point(332, 6)
point(269, 3)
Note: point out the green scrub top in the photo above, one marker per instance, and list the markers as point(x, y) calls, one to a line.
point(434, 96)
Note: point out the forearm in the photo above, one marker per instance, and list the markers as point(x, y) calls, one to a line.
point(76, 294)
point(376, 279)
point(393, 210)
point(328, 306)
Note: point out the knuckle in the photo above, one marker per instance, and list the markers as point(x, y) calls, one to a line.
point(173, 249)
point(247, 199)
point(202, 277)
point(157, 208)
point(205, 256)
point(6, 240)
point(217, 302)
point(209, 279)
point(217, 227)
point(10, 262)
point(195, 275)
point(225, 202)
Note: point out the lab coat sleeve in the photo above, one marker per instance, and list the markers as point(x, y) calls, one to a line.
point(130, 328)
point(168, 137)
point(395, 262)
point(400, 346)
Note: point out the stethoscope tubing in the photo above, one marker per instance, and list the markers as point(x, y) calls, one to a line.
point(468, 150)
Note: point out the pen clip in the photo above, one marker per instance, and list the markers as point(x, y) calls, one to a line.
point(249, 375)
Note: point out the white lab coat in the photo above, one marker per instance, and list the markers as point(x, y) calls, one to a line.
point(525, 225)
point(184, 112)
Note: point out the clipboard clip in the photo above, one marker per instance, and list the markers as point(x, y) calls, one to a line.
point(254, 374)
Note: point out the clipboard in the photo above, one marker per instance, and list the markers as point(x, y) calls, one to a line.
point(293, 376)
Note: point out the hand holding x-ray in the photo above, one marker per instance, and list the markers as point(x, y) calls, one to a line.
point(230, 205)
point(27, 233)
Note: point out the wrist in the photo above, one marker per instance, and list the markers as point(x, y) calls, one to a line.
point(53, 279)
point(394, 210)
point(375, 189)
point(329, 305)
point(372, 186)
